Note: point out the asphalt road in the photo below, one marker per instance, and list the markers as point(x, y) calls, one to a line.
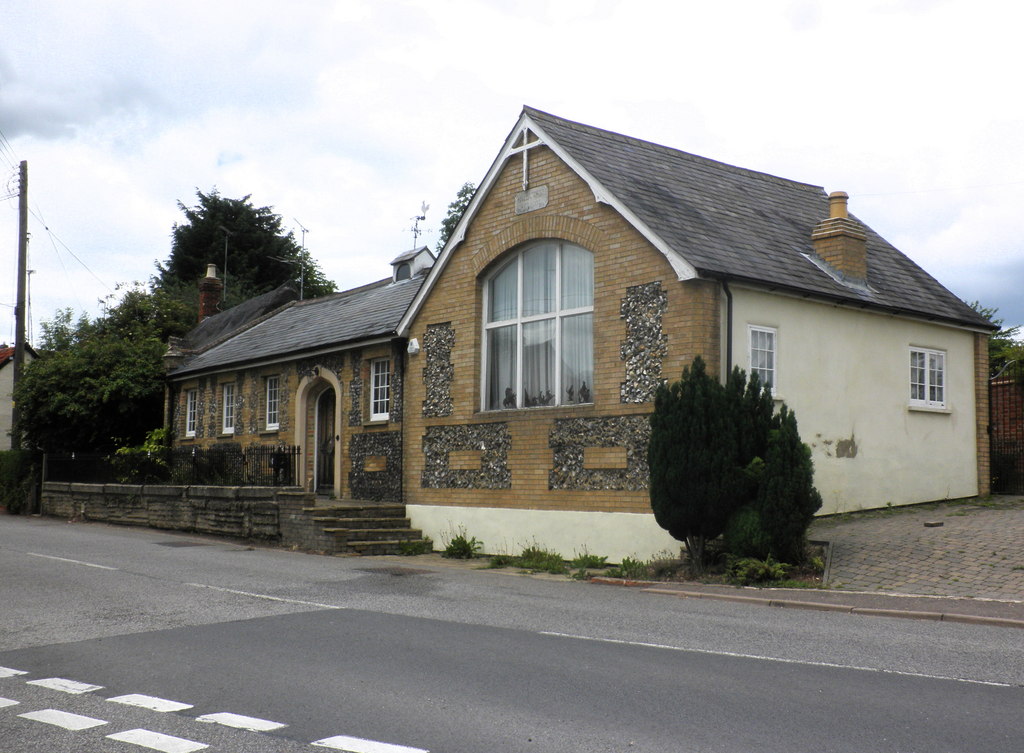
point(403, 657)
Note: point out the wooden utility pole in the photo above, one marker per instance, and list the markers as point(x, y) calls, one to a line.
point(20, 306)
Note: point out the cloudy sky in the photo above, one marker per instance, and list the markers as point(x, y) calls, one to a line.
point(345, 116)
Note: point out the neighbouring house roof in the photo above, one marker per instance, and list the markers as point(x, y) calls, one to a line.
point(363, 313)
point(717, 221)
point(7, 354)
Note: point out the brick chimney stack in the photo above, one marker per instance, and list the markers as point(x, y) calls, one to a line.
point(210, 289)
point(840, 241)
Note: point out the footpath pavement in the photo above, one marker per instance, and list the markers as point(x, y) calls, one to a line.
point(952, 561)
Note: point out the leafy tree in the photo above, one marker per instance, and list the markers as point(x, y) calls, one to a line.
point(696, 481)
point(721, 461)
point(1004, 345)
point(787, 499)
point(256, 246)
point(455, 211)
point(99, 384)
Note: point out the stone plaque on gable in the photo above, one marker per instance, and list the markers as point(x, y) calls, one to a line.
point(531, 199)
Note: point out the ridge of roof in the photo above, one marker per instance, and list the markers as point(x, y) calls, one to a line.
point(537, 114)
point(362, 313)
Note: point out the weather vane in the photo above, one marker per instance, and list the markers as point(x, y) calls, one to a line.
point(416, 222)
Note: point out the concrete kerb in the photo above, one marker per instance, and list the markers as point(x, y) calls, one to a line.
point(767, 601)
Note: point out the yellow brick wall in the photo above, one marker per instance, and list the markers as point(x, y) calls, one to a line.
point(622, 258)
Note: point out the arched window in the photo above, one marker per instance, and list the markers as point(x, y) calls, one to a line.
point(539, 328)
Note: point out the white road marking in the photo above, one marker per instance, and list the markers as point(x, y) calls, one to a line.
point(63, 719)
point(65, 686)
point(241, 722)
point(149, 702)
point(8, 672)
point(5, 702)
point(268, 597)
point(778, 660)
point(157, 741)
point(359, 745)
point(73, 562)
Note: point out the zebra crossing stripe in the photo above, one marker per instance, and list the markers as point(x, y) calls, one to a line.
point(65, 686)
point(157, 741)
point(63, 719)
point(359, 745)
point(5, 702)
point(149, 702)
point(8, 672)
point(241, 722)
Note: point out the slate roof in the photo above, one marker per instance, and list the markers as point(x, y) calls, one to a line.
point(737, 224)
point(362, 313)
point(218, 326)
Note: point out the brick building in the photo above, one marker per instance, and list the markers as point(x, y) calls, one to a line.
point(589, 268)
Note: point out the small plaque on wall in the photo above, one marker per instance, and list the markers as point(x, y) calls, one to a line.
point(531, 199)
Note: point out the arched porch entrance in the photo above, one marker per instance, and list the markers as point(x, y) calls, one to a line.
point(326, 443)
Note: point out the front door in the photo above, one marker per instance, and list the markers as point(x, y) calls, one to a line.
point(326, 439)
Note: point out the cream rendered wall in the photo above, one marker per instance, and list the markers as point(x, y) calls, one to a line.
point(569, 532)
point(846, 374)
point(6, 404)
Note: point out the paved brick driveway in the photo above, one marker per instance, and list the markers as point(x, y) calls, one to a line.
point(978, 551)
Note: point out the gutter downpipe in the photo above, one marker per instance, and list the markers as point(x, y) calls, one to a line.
point(728, 327)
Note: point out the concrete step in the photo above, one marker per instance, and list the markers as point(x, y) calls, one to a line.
point(358, 510)
point(354, 523)
point(374, 534)
point(371, 548)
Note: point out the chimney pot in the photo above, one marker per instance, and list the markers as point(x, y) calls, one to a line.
point(840, 241)
point(837, 204)
point(210, 291)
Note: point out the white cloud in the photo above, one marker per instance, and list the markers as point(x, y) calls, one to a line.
point(346, 115)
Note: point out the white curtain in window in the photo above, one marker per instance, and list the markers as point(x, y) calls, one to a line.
point(539, 280)
point(577, 278)
point(577, 358)
point(539, 363)
point(503, 293)
point(501, 379)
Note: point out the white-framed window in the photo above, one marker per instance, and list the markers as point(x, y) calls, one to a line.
point(763, 354)
point(191, 412)
point(227, 393)
point(927, 378)
point(380, 389)
point(273, 403)
point(538, 343)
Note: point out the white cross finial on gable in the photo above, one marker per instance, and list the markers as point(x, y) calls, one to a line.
point(524, 143)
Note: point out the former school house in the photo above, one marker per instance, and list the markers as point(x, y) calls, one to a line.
point(504, 387)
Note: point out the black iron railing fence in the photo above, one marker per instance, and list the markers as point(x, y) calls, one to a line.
point(257, 465)
point(1006, 429)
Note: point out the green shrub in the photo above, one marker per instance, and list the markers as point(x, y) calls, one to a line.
point(539, 560)
point(586, 561)
point(746, 571)
point(412, 548)
point(503, 560)
point(19, 471)
point(461, 547)
point(631, 568)
point(744, 535)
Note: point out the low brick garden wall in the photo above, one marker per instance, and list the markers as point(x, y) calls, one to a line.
point(262, 513)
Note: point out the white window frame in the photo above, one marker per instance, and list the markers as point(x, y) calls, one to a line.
point(773, 371)
point(273, 403)
point(380, 389)
point(227, 410)
point(191, 412)
point(519, 320)
point(927, 378)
